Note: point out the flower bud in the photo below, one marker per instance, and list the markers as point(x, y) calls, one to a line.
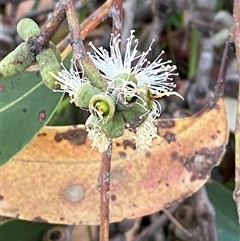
point(56, 51)
point(85, 94)
point(102, 105)
point(16, 61)
point(124, 78)
point(93, 74)
point(27, 28)
point(48, 62)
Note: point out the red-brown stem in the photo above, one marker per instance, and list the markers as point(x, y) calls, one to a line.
point(104, 184)
point(52, 25)
point(88, 24)
point(80, 55)
point(77, 42)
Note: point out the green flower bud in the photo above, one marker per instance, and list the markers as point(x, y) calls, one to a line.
point(27, 28)
point(56, 51)
point(121, 78)
point(85, 94)
point(102, 105)
point(93, 74)
point(16, 61)
point(48, 62)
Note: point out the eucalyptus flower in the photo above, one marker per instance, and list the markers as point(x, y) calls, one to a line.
point(129, 100)
point(156, 75)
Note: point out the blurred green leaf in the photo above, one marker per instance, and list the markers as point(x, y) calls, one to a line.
point(194, 52)
point(19, 230)
point(226, 212)
point(26, 105)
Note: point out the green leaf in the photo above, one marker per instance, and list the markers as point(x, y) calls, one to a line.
point(18, 230)
point(26, 105)
point(226, 212)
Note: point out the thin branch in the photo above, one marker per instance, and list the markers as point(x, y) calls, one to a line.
point(41, 41)
point(88, 25)
point(104, 193)
point(76, 39)
point(150, 230)
point(223, 69)
point(177, 224)
point(52, 25)
point(37, 13)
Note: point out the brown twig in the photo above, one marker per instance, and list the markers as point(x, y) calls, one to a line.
point(104, 184)
point(150, 230)
point(80, 55)
point(76, 39)
point(88, 25)
point(38, 12)
point(41, 41)
point(177, 224)
point(223, 69)
point(52, 25)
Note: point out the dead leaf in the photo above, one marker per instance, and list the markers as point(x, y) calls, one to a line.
point(55, 178)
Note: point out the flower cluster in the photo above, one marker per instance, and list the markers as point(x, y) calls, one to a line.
point(128, 102)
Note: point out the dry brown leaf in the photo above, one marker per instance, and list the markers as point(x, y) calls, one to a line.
point(55, 178)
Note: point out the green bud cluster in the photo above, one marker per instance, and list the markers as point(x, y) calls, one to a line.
point(21, 57)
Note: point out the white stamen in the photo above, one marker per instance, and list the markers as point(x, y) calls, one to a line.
point(157, 76)
point(99, 139)
point(70, 81)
